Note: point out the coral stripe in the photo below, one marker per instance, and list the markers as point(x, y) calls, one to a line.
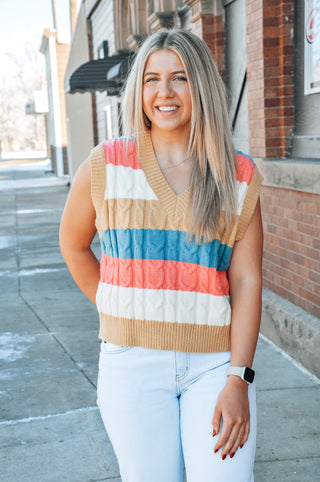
point(116, 152)
point(167, 275)
point(246, 168)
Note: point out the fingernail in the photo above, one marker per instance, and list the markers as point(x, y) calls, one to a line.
point(241, 446)
point(223, 456)
point(231, 455)
point(216, 450)
point(214, 433)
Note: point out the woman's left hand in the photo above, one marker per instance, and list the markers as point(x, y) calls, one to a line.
point(233, 408)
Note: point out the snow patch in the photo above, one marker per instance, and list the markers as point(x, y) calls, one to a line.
point(13, 346)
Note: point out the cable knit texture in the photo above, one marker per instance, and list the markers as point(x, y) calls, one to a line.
point(157, 289)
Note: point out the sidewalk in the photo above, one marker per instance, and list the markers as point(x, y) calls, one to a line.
point(50, 427)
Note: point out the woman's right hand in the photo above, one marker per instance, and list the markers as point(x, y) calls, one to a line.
point(77, 231)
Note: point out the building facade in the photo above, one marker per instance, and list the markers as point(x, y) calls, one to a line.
point(56, 57)
point(268, 54)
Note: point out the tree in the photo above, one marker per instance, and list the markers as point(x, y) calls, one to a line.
point(23, 73)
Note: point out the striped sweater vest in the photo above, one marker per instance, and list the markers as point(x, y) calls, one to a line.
point(157, 289)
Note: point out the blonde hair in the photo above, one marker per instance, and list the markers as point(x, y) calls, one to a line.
point(213, 179)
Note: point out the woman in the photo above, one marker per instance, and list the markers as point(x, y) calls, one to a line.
point(179, 286)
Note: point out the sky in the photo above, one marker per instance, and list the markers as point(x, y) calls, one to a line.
point(22, 18)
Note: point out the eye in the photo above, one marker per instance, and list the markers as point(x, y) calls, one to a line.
point(180, 78)
point(150, 79)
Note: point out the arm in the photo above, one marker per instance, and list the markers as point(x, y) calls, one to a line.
point(245, 278)
point(77, 231)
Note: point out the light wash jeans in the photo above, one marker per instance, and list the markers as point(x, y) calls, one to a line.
point(157, 408)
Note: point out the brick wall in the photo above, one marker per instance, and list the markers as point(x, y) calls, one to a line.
point(213, 35)
point(270, 76)
point(291, 266)
point(211, 29)
point(291, 218)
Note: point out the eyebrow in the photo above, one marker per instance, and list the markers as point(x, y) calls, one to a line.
point(173, 73)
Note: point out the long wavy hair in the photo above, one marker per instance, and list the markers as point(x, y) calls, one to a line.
point(213, 179)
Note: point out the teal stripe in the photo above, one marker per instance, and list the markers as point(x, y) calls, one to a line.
point(167, 245)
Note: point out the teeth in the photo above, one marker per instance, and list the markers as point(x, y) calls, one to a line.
point(168, 108)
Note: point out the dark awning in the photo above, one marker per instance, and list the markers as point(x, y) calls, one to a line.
point(92, 76)
point(119, 72)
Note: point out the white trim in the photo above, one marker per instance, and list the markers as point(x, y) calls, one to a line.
point(56, 105)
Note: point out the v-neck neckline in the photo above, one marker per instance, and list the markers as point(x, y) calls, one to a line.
point(175, 204)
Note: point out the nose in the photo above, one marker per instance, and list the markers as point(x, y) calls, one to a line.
point(165, 88)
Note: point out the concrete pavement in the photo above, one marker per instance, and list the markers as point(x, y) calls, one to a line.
point(50, 428)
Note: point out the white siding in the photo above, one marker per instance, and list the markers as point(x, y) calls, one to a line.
point(103, 101)
point(103, 29)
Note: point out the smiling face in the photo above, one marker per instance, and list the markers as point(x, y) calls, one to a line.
point(166, 98)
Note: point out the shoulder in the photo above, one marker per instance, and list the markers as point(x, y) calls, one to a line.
point(120, 152)
point(246, 167)
point(249, 183)
point(111, 147)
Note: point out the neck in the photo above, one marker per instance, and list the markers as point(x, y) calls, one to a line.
point(169, 148)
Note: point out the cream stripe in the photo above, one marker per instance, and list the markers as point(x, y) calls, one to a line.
point(128, 183)
point(242, 189)
point(163, 305)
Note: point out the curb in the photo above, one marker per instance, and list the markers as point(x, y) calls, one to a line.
point(294, 330)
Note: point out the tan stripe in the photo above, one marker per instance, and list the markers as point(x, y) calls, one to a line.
point(164, 336)
point(98, 183)
point(142, 214)
point(249, 203)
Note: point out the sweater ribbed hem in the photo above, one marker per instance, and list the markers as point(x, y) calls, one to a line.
point(159, 335)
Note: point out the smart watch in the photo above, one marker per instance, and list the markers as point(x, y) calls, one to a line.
point(246, 373)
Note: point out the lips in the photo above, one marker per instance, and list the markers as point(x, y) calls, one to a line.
point(167, 108)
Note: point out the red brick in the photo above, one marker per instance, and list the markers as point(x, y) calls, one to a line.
point(299, 248)
point(311, 264)
point(273, 122)
point(308, 229)
point(273, 142)
point(272, 60)
point(310, 296)
point(273, 3)
point(273, 112)
point(271, 102)
point(270, 42)
point(303, 238)
point(270, 12)
point(271, 72)
point(270, 22)
point(308, 207)
point(271, 32)
point(314, 276)
point(288, 111)
point(288, 91)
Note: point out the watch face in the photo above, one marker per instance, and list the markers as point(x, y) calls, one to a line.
point(248, 375)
